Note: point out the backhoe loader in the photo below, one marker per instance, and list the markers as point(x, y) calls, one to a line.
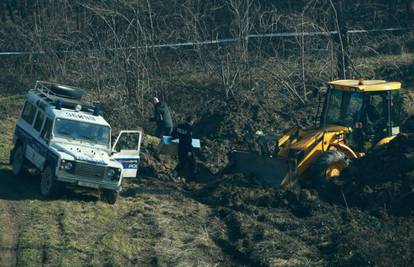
point(357, 116)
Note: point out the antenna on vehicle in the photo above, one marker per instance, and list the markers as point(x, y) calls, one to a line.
point(97, 109)
point(58, 104)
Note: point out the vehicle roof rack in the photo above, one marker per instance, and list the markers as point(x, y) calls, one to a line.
point(69, 97)
point(59, 90)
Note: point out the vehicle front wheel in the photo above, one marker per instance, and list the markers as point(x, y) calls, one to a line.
point(49, 186)
point(18, 161)
point(328, 166)
point(109, 196)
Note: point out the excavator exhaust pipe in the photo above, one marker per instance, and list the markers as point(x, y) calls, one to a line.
point(268, 170)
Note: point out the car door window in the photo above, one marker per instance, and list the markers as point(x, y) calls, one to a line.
point(47, 129)
point(128, 141)
point(39, 121)
point(29, 111)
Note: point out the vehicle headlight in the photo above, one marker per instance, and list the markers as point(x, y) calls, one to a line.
point(66, 165)
point(113, 174)
point(110, 173)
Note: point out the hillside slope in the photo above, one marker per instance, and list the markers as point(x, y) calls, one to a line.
point(225, 220)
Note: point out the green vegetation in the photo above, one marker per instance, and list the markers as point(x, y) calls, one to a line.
point(9, 108)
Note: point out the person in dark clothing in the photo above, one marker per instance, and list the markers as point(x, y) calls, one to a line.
point(186, 156)
point(162, 116)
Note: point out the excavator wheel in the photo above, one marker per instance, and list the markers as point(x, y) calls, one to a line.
point(328, 166)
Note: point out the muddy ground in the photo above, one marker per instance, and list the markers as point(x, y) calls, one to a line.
point(231, 221)
point(220, 220)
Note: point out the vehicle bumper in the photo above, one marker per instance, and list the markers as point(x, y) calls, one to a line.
point(89, 182)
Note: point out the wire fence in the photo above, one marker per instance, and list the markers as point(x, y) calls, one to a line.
point(210, 42)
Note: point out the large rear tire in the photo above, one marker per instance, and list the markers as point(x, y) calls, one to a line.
point(49, 186)
point(67, 91)
point(328, 166)
point(18, 161)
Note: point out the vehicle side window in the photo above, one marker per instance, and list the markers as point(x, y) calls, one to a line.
point(47, 129)
point(39, 121)
point(28, 113)
point(395, 106)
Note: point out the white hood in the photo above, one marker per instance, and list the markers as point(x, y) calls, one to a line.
point(84, 153)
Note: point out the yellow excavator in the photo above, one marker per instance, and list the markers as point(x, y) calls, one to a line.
point(357, 116)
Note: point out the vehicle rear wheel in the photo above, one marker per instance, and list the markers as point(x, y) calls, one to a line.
point(49, 186)
point(328, 166)
point(18, 161)
point(109, 196)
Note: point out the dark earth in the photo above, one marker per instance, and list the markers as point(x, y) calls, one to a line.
point(365, 219)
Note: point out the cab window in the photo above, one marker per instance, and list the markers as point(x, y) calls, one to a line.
point(47, 130)
point(395, 107)
point(39, 121)
point(376, 107)
point(380, 117)
point(344, 108)
point(376, 115)
point(29, 111)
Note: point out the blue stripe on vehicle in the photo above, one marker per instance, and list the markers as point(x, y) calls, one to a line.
point(129, 163)
point(40, 148)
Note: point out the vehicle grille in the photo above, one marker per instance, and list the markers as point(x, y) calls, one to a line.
point(89, 170)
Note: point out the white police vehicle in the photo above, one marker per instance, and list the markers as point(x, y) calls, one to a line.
point(69, 141)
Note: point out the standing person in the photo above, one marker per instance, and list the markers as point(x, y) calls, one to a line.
point(186, 157)
point(162, 116)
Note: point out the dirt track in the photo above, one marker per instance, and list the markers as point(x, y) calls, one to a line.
point(9, 235)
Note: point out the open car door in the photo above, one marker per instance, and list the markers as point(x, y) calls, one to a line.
point(126, 150)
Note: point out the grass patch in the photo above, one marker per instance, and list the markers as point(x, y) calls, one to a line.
point(10, 107)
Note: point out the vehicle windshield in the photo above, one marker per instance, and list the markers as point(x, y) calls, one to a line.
point(79, 130)
point(344, 108)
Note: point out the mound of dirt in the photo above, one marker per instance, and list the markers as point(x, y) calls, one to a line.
point(267, 226)
point(382, 182)
point(152, 164)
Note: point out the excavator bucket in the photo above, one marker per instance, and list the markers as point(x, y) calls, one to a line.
point(268, 170)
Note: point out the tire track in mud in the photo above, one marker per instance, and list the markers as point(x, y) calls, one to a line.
point(228, 243)
point(151, 222)
point(60, 216)
point(9, 236)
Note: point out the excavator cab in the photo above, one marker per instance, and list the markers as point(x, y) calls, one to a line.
point(370, 111)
